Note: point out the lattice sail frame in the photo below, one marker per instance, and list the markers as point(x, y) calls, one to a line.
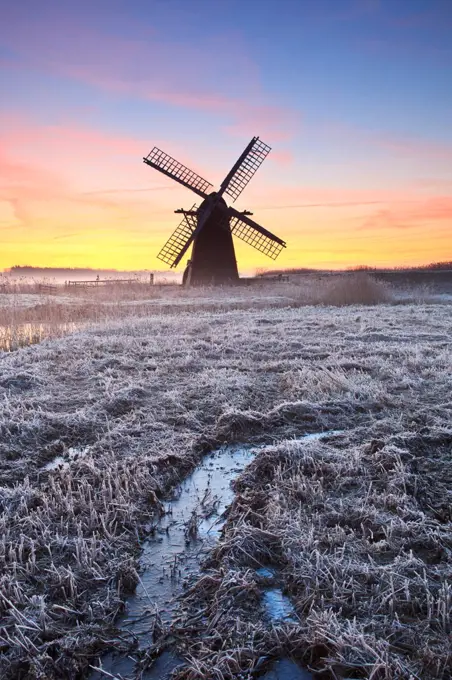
point(168, 165)
point(261, 242)
point(248, 167)
point(177, 242)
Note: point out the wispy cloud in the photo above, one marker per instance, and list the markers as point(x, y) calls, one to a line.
point(423, 213)
point(61, 237)
point(413, 147)
point(391, 144)
point(216, 77)
point(300, 195)
point(346, 204)
point(46, 169)
point(101, 192)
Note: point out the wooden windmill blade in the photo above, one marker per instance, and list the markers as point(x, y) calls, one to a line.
point(252, 233)
point(182, 237)
point(244, 168)
point(179, 241)
point(166, 164)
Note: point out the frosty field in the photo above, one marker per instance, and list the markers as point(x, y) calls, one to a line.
point(355, 528)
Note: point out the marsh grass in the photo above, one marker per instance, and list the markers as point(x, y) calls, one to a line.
point(16, 335)
point(362, 555)
point(28, 316)
point(357, 289)
point(358, 525)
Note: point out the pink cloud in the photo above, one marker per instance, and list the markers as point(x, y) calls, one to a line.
point(84, 157)
point(397, 145)
point(23, 182)
point(217, 78)
point(282, 157)
point(44, 167)
point(359, 213)
point(277, 196)
point(406, 146)
point(434, 183)
point(19, 131)
point(422, 213)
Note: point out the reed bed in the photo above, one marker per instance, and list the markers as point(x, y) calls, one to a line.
point(28, 315)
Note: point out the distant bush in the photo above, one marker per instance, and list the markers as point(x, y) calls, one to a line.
point(354, 289)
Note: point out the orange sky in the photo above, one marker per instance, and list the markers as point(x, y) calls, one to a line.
point(361, 166)
point(73, 196)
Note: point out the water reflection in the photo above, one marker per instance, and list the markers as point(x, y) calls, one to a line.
point(23, 335)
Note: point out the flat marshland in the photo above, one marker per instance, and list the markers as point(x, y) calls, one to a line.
point(355, 527)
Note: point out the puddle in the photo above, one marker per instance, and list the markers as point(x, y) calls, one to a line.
point(188, 530)
point(266, 572)
point(320, 435)
point(278, 607)
point(63, 462)
point(163, 666)
point(123, 667)
point(22, 335)
point(285, 669)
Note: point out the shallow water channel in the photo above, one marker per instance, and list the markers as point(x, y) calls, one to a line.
point(171, 557)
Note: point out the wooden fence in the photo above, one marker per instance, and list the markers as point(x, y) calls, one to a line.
point(106, 282)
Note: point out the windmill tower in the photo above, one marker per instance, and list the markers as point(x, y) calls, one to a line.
point(210, 226)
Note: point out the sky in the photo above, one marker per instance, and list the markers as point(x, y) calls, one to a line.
point(353, 96)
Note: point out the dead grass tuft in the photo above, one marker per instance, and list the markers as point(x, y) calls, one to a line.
point(356, 289)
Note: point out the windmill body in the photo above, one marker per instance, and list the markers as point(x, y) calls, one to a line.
point(213, 259)
point(210, 227)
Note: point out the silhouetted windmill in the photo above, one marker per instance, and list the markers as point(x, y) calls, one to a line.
point(211, 226)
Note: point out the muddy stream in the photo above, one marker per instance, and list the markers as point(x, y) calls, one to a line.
point(171, 557)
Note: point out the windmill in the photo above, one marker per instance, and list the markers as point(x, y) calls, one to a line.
point(210, 226)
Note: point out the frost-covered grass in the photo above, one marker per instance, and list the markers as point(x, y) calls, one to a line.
point(359, 526)
point(360, 535)
point(27, 316)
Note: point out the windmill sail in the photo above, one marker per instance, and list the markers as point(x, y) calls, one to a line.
point(244, 169)
point(252, 233)
point(177, 244)
point(161, 161)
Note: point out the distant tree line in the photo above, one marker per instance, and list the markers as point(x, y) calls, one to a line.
point(433, 266)
point(49, 272)
point(25, 270)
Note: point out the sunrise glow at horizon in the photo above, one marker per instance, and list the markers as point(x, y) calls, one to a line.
point(353, 96)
